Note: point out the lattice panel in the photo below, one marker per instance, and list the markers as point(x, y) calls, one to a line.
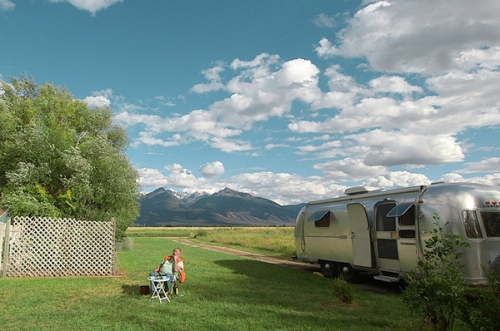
point(44, 247)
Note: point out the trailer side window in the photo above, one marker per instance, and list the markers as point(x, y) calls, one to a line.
point(408, 218)
point(405, 212)
point(321, 219)
point(471, 224)
point(384, 222)
point(491, 223)
point(406, 234)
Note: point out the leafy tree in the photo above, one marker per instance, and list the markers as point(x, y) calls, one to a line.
point(60, 158)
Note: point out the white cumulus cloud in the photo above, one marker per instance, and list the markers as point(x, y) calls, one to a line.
point(7, 5)
point(212, 169)
point(215, 81)
point(425, 36)
point(92, 6)
point(324, 21)
point(486, 165)
point(97, 101)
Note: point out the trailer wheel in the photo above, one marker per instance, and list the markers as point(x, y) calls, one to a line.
point(328, 269)
point(347, 273)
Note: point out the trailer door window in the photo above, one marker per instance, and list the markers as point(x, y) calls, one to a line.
point(471, 224)
point(404, 212)
point(491, 223)
point(385, 222)
point(407, 234)
point(320, 218)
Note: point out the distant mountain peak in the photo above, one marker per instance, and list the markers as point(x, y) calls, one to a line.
point(193, 197)
point(226, 207)
point(156, 192)
point(227, 192)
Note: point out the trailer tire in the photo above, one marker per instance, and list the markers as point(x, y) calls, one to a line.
point(329, 269)
point(347, 273)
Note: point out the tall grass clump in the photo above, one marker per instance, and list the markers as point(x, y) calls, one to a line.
point(200, 233)
point(343, 290)
point(128, 244)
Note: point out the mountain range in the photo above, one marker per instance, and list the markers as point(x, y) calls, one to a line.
point(224, 208)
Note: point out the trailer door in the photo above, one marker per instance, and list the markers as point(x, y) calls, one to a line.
point(360, 234)
point(387, 239)
point(407, 244)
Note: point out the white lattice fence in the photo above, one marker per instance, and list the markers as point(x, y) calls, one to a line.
point(44, 247)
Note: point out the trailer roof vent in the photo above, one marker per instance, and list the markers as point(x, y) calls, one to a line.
point(359, 190)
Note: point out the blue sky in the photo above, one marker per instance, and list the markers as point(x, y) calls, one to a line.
point(288, 100)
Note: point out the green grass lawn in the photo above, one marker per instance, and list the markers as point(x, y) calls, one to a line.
point(222, 292)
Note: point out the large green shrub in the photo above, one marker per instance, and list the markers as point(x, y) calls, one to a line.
point(60, 158)
point(436, 291)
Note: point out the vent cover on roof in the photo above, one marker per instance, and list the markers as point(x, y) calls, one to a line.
point(359, 190)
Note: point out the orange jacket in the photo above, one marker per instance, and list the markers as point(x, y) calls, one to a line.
point(182, 273)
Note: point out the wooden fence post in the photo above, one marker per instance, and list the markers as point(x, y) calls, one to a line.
point(6, 248)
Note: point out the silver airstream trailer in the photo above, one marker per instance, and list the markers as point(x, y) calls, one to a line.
point(383, 231)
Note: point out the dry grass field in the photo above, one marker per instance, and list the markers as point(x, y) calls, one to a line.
point(274, 241)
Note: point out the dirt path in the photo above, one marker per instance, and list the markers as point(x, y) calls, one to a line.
point(255, 256)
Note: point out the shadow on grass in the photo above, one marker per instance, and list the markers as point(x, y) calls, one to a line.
point(132, 290)
point(301, 297)
point(256, 270)
point(263, 283)
point(290, 299)
point(249, 268)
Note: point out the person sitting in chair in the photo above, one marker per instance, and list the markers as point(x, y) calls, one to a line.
point(170, 268)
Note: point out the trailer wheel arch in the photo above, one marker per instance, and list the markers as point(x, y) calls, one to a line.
point(329, 269)
point(347, 273)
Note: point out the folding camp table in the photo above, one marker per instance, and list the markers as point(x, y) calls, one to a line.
point(159, 284)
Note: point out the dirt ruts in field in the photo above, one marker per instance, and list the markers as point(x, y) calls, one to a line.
point(256, 256)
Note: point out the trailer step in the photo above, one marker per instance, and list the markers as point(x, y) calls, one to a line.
point(389, 278)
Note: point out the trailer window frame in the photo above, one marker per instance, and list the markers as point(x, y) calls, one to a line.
point(383, 222)
point(401, 210)
point(320, 218)
point(406, 234)
point(491, 223)
point(471, 224)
